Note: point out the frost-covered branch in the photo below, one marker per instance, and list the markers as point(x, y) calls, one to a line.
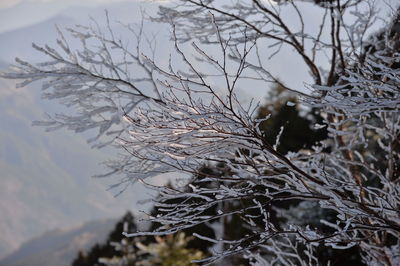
point(187, 114)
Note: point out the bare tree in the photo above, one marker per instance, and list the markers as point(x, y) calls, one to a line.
point(176, 119)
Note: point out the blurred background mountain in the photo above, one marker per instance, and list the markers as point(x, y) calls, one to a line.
point(45, 180)
point(60, 246)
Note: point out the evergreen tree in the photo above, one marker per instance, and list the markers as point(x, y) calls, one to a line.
point(107, 250)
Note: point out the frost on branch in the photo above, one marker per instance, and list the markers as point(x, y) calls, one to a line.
point(178, 118)
point(97, 82)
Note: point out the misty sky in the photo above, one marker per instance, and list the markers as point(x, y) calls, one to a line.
point(20, 13)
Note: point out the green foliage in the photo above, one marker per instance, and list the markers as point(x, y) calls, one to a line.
point(171, 250)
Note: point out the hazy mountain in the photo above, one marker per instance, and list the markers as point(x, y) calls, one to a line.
point(3, 65)
point(18, 43)
point(45, 179)
point(125, 12)
point(26, 13)
point(59, 247)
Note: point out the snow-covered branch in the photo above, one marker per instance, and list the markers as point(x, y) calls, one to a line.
point(178, 118)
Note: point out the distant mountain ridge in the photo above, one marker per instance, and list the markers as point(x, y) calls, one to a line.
point(18, 43)
point(45, 180)
point(3, 65)
point(59, 247)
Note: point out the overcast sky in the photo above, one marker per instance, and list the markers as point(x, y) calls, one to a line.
point(15, 14)
point(12, 3)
